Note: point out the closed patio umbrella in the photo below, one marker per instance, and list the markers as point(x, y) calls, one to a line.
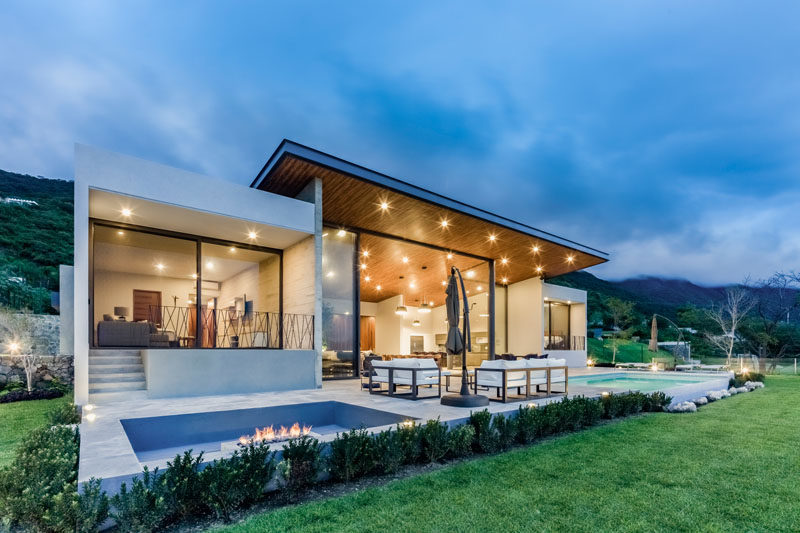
point(653, 335)
point(458, 342)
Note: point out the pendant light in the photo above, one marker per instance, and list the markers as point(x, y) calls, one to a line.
point(424, 308)
point(401, 309)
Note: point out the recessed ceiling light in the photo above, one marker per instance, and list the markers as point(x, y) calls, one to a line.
point(384, 205)
point(194, 276)
point(126, 212)
point(444, 223)
point(538, 269)
point(378, 287)
point(412, 285)
point(363, 266)
point(252, 235)
point(232, 249)
point(504, 260)
point(366, 278)
point(444, 283)
point(480, 287)
point(120, 233)
point(209, 265)
point(492, 237)
point(535, 249)
point(570, 258)
point(505, 280)
point(159, 266)
point(471, 274)
point(365, 253)
point(467, 291)
point(341, 233)
point(329, 274)
point(405, 259)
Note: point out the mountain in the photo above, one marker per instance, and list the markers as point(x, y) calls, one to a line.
point(36, 235)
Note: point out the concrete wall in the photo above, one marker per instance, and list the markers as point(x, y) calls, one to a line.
point(66, 331)
point(525, 317)
point(174, 373)
point(299, 296)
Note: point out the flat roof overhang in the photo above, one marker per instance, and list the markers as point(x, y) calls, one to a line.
point(352, 197)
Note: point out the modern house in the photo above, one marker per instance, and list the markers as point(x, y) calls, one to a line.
point(186, 285)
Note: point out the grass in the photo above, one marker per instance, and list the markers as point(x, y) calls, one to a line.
point(732, 466)
point(18, 418)
point(627, 351)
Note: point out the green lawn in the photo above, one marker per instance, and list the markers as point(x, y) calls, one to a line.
point(627, 351)
point(18, 418)
point(732, 466)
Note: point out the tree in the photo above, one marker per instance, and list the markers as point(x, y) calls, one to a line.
point(17, 335)
point(728, 317)
point(621, 312)
point(776, 298)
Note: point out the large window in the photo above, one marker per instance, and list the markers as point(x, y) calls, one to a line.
point(149, 292)
point(338, 303)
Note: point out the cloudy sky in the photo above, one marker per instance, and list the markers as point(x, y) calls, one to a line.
point(666, 133)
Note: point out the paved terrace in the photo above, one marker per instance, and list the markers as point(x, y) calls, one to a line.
point(106, 452)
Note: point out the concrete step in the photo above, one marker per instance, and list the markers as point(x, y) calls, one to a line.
point(106, 352)
point(116, 378)
point(115, 369)
point(117, 387)
point(114, 360)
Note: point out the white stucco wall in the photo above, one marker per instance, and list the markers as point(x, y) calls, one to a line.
point(525, 317)
point(167, 188)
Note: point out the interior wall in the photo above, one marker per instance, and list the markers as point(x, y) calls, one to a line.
point(113, 289)
point(393, 332)
point(244, 284)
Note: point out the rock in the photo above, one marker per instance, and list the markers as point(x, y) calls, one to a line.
point(752, 385)
point(733, 391)
point(682, 407)
point(702, 400)
point(742, 389)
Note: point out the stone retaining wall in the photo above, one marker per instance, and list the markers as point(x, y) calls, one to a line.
point(50, 366)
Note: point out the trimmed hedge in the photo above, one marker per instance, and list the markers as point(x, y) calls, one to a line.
point(38, 491)
point(22, 395)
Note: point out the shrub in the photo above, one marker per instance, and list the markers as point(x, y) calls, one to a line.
point(527, 424)
point(352, 455)
point(591, 410)
point(390, 454)
point(57, 384)
point(64, 415)
point(656, 402)
point(410, 437)
point(433, 436)
point(21, 395)
point(485, 434)
point(229, 483)
point(549, 419)
point(740, 378)
point(301, 464)
point(505, 429)
point(45, 465)
point(142, 509)
point(183, 488)
point(460, 440)
point(82, 512)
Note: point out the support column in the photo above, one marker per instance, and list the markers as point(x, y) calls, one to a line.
point(318, 279)
point(491, 310)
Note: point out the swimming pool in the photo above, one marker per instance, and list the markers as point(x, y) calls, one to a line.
point(640, 381)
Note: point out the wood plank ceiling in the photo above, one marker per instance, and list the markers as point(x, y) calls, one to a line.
point(352, 203)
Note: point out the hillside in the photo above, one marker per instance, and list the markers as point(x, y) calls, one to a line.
point(34, 239)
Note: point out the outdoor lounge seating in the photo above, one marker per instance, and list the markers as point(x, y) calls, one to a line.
point(504, 375)
point(412, 373)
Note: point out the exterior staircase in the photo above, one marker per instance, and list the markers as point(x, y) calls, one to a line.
point(115, 370)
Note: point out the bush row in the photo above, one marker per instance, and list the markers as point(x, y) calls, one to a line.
point(189, 488)
point(740, 378)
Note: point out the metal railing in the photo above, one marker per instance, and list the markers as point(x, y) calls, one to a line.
point(225, 328)
point(564, 342)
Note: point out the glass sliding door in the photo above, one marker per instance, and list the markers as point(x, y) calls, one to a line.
point(143, 289)
point(240, 297)
point(338, 303)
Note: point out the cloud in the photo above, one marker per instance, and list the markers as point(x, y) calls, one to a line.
point(665, 134)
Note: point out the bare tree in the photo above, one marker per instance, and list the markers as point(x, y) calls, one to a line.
point(16, 329)
point(777, 298)
point(621, 313)
point(728, 317)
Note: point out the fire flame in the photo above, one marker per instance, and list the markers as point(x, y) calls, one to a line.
point(270, 434)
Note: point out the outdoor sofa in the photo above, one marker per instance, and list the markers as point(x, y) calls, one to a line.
point(521, 374)
point(412, 373)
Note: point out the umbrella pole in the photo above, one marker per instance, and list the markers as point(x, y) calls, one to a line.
point(464, 398)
